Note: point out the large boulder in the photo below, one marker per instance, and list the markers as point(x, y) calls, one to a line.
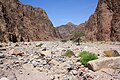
point(111, 53)
point(111, 62)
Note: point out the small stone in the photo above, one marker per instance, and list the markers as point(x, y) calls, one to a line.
point(15, 52)
point(1, 61)
point(69, 66)
point(2, 49)
point(46, 53)
point(2, 55)
point(74, 72)
point(21, 72)
point(52, 77)
point(54, 62)
point(26, 43)
point(44, 49)
point(78, 64)
point(44, 62)
point(34, 63)
point(4, 78)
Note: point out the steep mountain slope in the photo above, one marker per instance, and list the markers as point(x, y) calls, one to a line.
point(66, 30)
point(24, 23)
point(104, 24)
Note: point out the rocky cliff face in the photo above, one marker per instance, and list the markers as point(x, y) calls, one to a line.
point(104, 24)
point(24, 23)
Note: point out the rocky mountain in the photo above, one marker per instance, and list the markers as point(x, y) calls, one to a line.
point(66, 30)
point(24, 23)
point(104, 24)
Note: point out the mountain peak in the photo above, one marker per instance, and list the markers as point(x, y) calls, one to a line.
point(70, 24)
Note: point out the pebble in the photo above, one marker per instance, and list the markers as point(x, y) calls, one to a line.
point(74, 72)
point(1, 61)
point(4, 78)
point(2, 55)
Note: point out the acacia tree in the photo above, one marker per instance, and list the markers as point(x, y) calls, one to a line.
point(76, 36)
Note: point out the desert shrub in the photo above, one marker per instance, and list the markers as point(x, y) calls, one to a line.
point(86, 56)
point(69, 53)
point(39, 45)
point(63, 40)
point(76, 36)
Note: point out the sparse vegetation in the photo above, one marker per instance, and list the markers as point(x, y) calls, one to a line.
point(86, 56)
point(39, 45)
point(69, 53)
point(77, 36)
point(63, 40)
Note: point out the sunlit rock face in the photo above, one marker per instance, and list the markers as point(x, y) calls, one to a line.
point(104, 24)
point(24, 23)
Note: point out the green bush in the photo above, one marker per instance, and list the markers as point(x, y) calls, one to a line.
point(69, 53)
point(86, 56)
point(39, 45)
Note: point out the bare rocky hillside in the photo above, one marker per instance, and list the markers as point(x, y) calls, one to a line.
point(24, 23)
point(104, 24)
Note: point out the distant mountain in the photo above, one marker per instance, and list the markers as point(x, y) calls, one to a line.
point(24, 23)
point(67, 30)
point(104, 24)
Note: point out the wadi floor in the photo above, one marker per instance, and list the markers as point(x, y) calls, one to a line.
point(45, 60)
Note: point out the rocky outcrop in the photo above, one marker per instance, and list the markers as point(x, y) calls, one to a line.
point(24, 23)
point(104, 24)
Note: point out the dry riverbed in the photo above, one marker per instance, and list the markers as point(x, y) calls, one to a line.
point(44, 60)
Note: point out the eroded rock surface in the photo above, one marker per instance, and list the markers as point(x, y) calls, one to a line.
point(24, 23)
point(104, 24)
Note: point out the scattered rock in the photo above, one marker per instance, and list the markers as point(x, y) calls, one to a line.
point(34, 63)
point(46, 53)
point(111, 53)
point(2, 49)
point(2, 55)
point(74, 72)
point(1, 61)
point(15, 52)
point(44, 49)
point(26, 43)
point(54, 62)
point(51, 64)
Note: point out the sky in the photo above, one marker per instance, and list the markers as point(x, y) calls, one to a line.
point(61, 12)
